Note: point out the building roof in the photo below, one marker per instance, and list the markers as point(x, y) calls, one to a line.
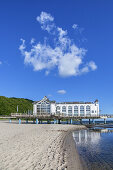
point(52, 101)
point(45, 99)
point(74, 102)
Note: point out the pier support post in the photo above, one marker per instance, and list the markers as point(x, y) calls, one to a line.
point(26, 121)
point(89, 121)
point(81, 121)
point(48, 121)
point(55, 121)
point(19, 121)
point(9, 120)
point(71, 121)
point(58, 121)
point(104, 121)
point(93, 121)
point(36, 121)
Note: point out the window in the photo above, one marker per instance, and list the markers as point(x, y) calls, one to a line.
point(81, 110)
point(63, 109)
point(58, 109)
point(48, 108)
point(92, 111)
point(76, 110)
point(70, 110)
point(88, 111)
point(38, 108)
point(43, 108)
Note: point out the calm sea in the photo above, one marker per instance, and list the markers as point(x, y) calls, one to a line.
point(95, 147)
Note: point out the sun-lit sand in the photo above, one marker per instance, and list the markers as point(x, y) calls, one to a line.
point(36, 147)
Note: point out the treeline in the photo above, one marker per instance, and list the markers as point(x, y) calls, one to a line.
point(9, 105)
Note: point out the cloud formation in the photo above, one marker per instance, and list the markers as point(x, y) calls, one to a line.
point(61, 91)
point(0, 62)
point(74, 26)
point(63, 54)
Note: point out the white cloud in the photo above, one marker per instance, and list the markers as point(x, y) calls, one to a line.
point(92, 65)
point(32, 41)
point(22, 46)
point(44, 17)
point(74, 26)
point(61, 53)
point(49, 95)
point(46, 21)
point(0, 62)
point(47, 72)
point(61, 91)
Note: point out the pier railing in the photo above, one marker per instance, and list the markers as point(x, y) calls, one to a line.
point(52, 116)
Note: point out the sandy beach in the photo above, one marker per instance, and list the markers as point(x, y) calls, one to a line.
point(37, 147)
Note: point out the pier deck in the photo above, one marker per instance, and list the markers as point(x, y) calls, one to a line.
point(56, 118)
point(50, 117)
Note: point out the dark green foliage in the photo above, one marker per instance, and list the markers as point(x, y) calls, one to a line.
point(9, 105)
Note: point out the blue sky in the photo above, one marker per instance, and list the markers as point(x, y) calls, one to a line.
point(77, 37)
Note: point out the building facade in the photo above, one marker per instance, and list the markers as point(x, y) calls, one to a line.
point(83, 109)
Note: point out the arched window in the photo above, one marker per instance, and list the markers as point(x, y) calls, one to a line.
point(88, 111)
point(58, 109)
point(70, 110)
point(81, 110)
point(76, 110)
point(43, 108)
point(48, 108)
point(63, 109)
point(38, 109)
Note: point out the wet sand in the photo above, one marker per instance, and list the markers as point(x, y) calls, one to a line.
point(37, 147)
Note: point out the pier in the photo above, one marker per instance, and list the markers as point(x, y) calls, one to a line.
point(56, 118)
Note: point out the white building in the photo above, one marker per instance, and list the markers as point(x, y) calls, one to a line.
point(45, 106)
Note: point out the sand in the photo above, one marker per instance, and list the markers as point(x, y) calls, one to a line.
point(37, 147)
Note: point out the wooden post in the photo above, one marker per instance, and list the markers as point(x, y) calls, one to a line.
point(67, 121)
point(89, 121)
point(54, 121)
point(71, 121)
point(48, 121)
point(19, 121)
point(81, 121)
point(36, 121)
point(93, 121)
point(104, 121)
point(58, 121)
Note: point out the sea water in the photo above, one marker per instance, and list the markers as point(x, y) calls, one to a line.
point(95, 147)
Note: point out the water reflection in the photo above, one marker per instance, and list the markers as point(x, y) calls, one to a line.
point(95, 147)
point(84, 136)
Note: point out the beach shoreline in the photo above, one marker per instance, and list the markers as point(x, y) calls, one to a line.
point(43, 146)
point(74, 160)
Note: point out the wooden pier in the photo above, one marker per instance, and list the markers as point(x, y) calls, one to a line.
point(56, 118)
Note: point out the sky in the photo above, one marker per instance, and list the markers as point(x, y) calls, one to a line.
point(62, 49)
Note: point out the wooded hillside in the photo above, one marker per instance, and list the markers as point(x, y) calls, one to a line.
point(9, 105)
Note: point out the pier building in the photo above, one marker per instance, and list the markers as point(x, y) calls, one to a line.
point(77, 109)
